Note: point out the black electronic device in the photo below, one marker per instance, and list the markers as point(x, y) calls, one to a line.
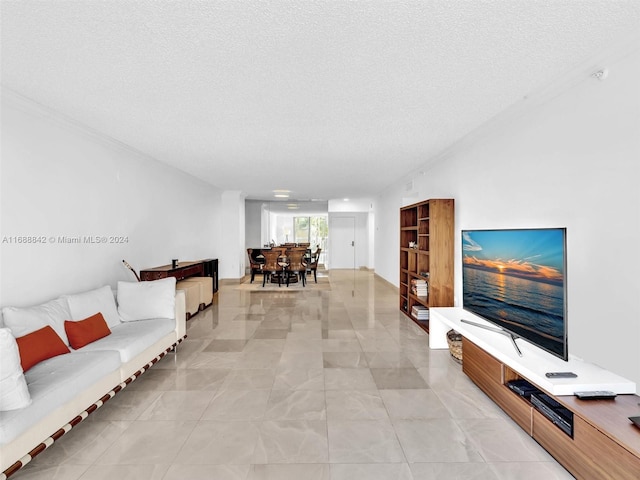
point(522, 388)
point(560, 375)
point(547, 400)
point(560, 416)
point(596, 395)
point(636, 421)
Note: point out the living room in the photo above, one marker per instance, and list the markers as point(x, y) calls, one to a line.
point(566, 155)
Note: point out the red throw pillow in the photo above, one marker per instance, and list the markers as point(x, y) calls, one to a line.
point(38, 346)
point(83, 332)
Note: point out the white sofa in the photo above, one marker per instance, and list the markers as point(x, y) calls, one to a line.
point(66, 388)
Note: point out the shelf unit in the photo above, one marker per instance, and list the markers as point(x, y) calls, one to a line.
point(428, 225)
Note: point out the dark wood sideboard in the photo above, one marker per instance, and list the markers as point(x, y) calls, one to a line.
point(199, 268)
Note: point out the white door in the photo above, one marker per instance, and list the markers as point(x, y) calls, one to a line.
point(342, 251)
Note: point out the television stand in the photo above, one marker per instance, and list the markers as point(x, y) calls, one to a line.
point(499, 330)
point(598, 442)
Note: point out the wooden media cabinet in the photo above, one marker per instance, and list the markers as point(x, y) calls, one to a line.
point(603, 443)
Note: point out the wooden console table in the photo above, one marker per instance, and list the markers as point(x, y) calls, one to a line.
point(200, 268)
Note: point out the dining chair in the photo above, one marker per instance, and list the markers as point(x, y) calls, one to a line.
point(297, 265)
point(312, 266)
point(272, 266)
point(256, 262)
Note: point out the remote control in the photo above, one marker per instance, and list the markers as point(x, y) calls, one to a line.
point(560, 375)
point(595, 395)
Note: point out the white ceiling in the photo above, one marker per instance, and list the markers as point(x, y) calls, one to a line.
point(327, 99)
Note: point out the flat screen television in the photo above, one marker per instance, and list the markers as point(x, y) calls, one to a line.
point(516, 279)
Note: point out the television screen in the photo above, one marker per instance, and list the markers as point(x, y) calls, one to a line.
point(516, 279)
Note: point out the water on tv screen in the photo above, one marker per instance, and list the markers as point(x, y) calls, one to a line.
point(516, 279)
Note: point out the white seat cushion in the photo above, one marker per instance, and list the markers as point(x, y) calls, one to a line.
point(53, 383)
point(132, 338)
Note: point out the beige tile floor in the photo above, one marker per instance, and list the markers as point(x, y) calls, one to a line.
point(312, 385)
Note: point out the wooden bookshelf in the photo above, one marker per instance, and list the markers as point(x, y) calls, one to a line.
point(427, 225)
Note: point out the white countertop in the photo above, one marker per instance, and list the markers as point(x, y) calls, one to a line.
point(534, 362)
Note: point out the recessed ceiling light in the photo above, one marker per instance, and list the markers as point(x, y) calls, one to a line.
point(345, 199)
point(281, 193)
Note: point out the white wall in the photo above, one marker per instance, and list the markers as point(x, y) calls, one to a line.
point(59, 179)
point(371, 239)
point(350, 205)
point(232, 236)
point(253, 224)
point(572, 161)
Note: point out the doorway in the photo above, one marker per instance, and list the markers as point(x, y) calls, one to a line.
point(342, 233)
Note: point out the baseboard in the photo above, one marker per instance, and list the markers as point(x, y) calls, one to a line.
point(387, 282)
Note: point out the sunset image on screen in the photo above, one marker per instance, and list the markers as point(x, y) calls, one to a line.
point(516, 278)
point(527, 254)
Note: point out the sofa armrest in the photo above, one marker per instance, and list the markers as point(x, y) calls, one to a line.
point(181, 315)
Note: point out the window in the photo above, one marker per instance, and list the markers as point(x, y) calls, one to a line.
point(301, 229)
point(313, 230)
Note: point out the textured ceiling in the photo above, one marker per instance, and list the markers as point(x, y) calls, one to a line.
point(327, 99)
